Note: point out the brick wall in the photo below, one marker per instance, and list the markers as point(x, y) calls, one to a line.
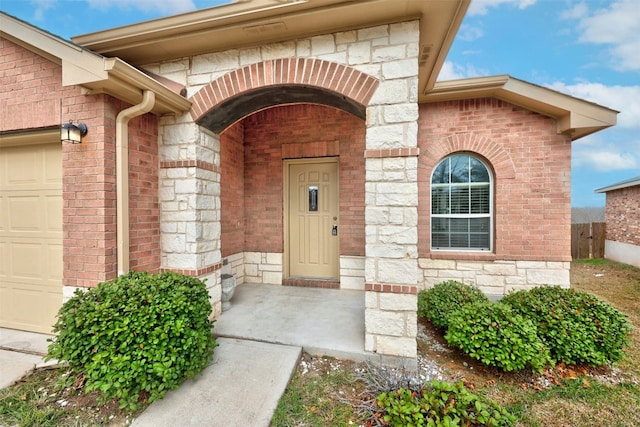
point(144, 209)
point(232, 189)
point(300, 131)
point(531, 165)
point(30, 89)
point(623, 215)
point(31, 97)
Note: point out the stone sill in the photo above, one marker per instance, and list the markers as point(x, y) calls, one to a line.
point(463, 256)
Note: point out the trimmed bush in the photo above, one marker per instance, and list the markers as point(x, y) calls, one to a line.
point(437, 303)
point(497, 336)
point(137, 335)
point(576, 326)
point(441, 404)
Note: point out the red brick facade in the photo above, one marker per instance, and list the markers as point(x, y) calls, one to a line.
point(531, 164)
point(623, 215)
point(32, 97)
point(144, 208)
point(264, 140)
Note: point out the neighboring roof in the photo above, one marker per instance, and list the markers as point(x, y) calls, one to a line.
point(94, 72)
point(620, 185)
point(256, 22)
point(576, 117)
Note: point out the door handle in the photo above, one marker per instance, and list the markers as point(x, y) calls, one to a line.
point(334, 230)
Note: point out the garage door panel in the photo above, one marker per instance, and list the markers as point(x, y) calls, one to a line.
point(26, 261)
point(23, 167)
point(31, 308)
point(31, 265)
point(52, 159)
point(24, 214)
point(53, 270)
point(4, 254)
point(53, 217)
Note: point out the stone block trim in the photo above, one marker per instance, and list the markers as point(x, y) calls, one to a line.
point(352, 272)
point(263, 268)
point(391, 324)
point(332, 76)
point(495, 278)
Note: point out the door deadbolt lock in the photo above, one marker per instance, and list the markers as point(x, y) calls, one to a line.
point(334, 230)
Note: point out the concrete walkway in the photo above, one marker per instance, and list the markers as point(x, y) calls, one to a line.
point(20, 352)
point(241, 387)
point(261, 338)
point(325, 322)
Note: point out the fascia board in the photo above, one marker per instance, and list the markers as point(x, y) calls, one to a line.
point(82, 64)
point(167, 101)
point(620, 185)
point(575, 117)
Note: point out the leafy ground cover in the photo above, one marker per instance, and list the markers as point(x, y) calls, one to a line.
point(564, 396)
point(331, 392)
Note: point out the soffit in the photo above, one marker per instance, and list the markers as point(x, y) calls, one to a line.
point(256, 22)
point(92, 71)
point(576, 117)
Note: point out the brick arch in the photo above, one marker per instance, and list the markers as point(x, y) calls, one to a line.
point(498, 157)
point(281, 81)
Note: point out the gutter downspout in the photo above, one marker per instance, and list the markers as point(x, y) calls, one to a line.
point(122, 176)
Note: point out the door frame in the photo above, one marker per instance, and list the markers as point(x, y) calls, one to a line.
point(285, 187)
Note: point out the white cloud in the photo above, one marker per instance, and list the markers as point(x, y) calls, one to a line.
point(604, 158)
point(162, 6)
point(40, 9)
point(625, 99)
point(481, 7)
point(616, 26)
point(453, 71)
point(469, 33)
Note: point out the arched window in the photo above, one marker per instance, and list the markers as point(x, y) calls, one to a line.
point(461, 204)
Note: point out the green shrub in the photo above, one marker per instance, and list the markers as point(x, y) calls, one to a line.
point(139, 334)
point(576, 326)
point(496, 336)
point(441, 404)
point(437, 303)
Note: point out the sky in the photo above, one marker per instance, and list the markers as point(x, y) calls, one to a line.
point(589, 49)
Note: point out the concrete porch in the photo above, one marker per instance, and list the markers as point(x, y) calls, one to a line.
point(327, 322)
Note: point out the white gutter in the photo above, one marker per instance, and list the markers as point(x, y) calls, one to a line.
point(122, 175)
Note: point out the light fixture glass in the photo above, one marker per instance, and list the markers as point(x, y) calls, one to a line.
point(73, 133)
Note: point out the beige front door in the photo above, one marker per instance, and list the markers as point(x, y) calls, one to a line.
point(312, 213)
point(30, 236)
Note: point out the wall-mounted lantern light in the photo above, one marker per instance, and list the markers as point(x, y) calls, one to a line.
point(73, 133)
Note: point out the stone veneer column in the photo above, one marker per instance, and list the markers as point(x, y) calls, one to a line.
point(389, 53)
point(391, 216)
point(190, 203)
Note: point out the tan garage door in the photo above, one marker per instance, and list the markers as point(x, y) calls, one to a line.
point(30, 236)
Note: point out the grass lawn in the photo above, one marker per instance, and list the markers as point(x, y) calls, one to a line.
point(331, 392)
point(324, 391)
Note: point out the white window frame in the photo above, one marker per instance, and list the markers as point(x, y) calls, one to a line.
point(465, 216)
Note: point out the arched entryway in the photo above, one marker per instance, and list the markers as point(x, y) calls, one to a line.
point(292, 141)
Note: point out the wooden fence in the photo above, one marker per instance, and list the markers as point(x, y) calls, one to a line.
point(587, 240)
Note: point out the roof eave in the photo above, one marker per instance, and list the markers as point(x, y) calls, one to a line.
point(90, 70)
point(620, 185)
point(258, 22)
point(129, 84)
point(575, 117)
